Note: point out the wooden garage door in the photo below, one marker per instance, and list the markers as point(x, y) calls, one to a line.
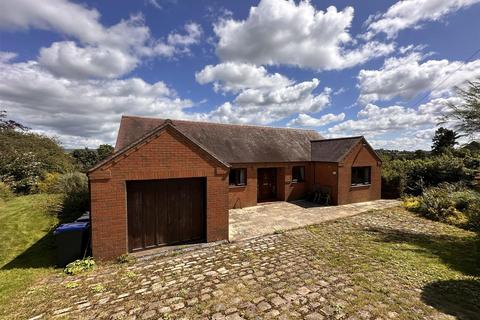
point(165, 212)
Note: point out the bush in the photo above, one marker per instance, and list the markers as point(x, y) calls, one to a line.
point(50, 183)
point(85, 158)
point(410, 177)
point(79, 266)
point(5, 192)
point(25, 157)
point(73, 182)
point(393, 185)
point(125, 258)
point(22, 172)
point(451, 203)
point(75, 187)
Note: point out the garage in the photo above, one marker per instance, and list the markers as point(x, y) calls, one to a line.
point(165, 212)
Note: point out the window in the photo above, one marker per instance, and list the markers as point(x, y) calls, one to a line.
point(298, 174)
point(237, 177)
point(361, 176)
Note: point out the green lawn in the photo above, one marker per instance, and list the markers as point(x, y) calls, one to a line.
point(26, 243)
point(402, 253)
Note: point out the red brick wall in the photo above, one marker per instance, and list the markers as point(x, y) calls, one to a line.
point(295, 191)
point(359, 156)
point(326, 177)
point(246, 196)
point(169, 155)
point(335, 177)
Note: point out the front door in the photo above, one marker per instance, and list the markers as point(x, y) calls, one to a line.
point(267, 184)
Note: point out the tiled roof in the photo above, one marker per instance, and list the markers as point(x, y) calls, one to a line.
point(229, 142)
point(333, 150)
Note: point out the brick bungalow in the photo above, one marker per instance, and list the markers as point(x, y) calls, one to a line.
point(172, 181)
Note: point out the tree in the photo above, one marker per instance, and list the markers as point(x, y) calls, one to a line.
point(25, 156)
point(85, 158)
point(420, 154)
point(6, 124)
point(473, 146)
point(444, 140)
point(104, 151)
point(467, 114)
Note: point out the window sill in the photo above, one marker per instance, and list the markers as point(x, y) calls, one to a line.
point(360, 186)
point(296, 182)
point(237, 187)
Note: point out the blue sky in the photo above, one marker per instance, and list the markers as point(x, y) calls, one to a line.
point(383, 69)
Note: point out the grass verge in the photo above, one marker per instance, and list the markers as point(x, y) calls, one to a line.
point(27, 243)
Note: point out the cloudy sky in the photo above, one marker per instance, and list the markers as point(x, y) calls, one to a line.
point(383, 69)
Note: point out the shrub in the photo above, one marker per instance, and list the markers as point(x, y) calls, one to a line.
point(25, 157)
point(98, 288)
point(393, 185)
point(85, 158)
point(22, 171)
point(5, 192)
point(104, 151)
point(451, 203)
point(125, 258)
point(410, 177)
point(75, 187)
point(411, 203)
point(73, 182)
point(50, 183)
point(79, 266)
point(72, 285)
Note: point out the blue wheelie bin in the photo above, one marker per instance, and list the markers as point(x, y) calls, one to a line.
point(71, 240)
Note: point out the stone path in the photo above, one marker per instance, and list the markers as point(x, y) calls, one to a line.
point(322, 272)
point(279, 216)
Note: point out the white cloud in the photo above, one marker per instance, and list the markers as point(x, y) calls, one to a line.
point(411, 14)
point(286, 95)
point(82, 112)
point(405, 142)
point(304, 120)
point(85, 112)
point(6, 56)
point(102, 52)
point(59, 15)
point(66, 59)
point(155, 4)
point(194, 31)
point(161, 4)
point(268, 106)
point(408, 76)
point(176, 43)
point(396, 127)
point(282, 32)
point(128, 42)
point(409, 140)
point(234, 77)
point(262, 97)
point(376, 120)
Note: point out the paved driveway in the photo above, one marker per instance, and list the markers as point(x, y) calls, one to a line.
point(348, 269)
point(279, 216)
